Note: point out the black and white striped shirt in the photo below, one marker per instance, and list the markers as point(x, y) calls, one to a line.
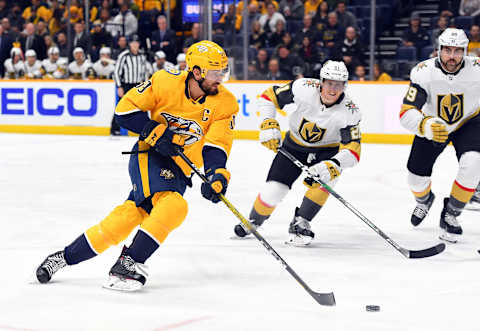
point(131, 69)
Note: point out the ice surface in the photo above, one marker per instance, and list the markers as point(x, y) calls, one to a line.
point(55, 187)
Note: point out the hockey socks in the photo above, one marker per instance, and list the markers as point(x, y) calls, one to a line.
point(142, 247)
point(78, 251)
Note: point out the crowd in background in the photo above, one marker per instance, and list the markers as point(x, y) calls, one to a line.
point(287, 39)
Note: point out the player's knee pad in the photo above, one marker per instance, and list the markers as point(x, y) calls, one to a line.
point(317, 194)
point(419, 185)
point(115, 227)
point(169, 211)
point(468, 176)
point(272, 194)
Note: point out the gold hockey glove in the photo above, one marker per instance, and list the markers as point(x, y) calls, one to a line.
point(270, 135)
point(434, 128)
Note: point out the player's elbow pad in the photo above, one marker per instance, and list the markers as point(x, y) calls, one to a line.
point(411, 119)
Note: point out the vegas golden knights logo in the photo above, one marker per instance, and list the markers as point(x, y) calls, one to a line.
point(310, 132)
point(450, 107)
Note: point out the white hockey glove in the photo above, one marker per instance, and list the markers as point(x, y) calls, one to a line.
point(328, 171)
point(434, 129)
point(270, 135)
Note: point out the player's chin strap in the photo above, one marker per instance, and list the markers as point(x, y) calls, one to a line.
point(411, 254)
point(325, 299)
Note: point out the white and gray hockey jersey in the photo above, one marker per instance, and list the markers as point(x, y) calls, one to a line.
point(33, 71)
point(13, 71)
point(313, 124)
point(104, 69)
point(165, 65)
point(434, 92)
point(80, 71)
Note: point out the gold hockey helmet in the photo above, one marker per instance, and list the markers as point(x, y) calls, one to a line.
point(208, 56)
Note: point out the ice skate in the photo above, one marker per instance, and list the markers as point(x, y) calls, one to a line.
point(448, 222)
point(299, 232)
point(421, 210)
point(474, 203)
point(126, 274)
point(50, 265)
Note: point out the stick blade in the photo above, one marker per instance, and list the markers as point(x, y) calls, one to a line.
point(325, 299)
point(432, 251)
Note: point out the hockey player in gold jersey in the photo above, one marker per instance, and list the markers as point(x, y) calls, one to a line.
point(189, 110)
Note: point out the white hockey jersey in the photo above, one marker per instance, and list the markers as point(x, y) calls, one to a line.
point(165, 66)
point(82, 71)
point(104, 69)
point(33, 71)
point(433, 92)
point(13, 71)
point(312, 123)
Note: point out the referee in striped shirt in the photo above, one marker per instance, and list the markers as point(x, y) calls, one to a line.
point(131, 69)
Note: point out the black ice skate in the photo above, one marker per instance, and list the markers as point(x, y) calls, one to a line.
point(241, 230)
point(449, 223)
point(50, 265)
point(299, 231)
point(126, 274)
point(421, 210)
point(474, 203)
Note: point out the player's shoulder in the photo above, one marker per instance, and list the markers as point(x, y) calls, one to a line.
point(227, 99)
point(422, 71)
point(170, 74)
point(472, 63)
point(351, 108)
point(305, 89)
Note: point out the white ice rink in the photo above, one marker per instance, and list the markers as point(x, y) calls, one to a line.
point(55, 187)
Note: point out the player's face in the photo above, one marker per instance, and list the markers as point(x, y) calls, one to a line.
point(78, 56)
point(451, 57)
point(31, 60)
point(53, 57)
point(331, 91)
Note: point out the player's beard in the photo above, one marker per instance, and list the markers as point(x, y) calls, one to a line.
point(452, 65)
point(209, 89)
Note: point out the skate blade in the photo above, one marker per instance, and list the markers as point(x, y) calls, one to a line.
point(298, 241)
point(472, 207)
point(449, 237)
point(125, 285)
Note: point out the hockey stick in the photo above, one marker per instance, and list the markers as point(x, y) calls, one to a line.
point(411, 254)
point(325, 299)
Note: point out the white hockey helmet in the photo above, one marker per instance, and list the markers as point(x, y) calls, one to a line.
point(334, 70)
point(181, 57)
point(160, 55)
point(53, 50)
point(78, 50)
point(454, 38)
point(15, 51)
point(105, 51)
point(30, 52)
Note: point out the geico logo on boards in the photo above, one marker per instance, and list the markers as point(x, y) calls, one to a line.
point(49, 101)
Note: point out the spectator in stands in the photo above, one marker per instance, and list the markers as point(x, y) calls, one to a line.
point(379, 74)
point(42, 30)
point(76, 13)
point(7, 30)
point(261, 63)
point(288, 42)
point(5, 48)
point(274, 72)
point(263, 6)
point(126, 20)
point(360, 73)
point(15, 18)
point(48, 40)
point(37, 11)
point(331, 33)
point(292, 9)
point(345, 18)
point(228, 24)
point(55, 23)
point(307, 30)
point(253, 13)
point(311, 7)
point(33, 41)
point(470, 8)
point(3, 13)
point(442, 24)
point(309, 53)
point(415, 35)
point(474, 44)
point(100, 38)
point(349, 50)
point(276, 37)
point(320, 18)
point(81, 38)
point(120, 47)
point(194, 38)
point(258, 38)
point(269, 20)
point(107, 21)
point(164, 39)
point(181, 62)
point(253, 74)
point(449, 8)
point(290, 64)
point(62, 44)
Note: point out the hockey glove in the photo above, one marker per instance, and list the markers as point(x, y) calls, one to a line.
point(163, 141)
point(434, 129)
point(217, 183)
point(328, 171)
point(270, 135)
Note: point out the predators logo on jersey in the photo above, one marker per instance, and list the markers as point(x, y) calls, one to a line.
point(310, 132)
point(167, 174)
point(187, 128)
point(450, 107)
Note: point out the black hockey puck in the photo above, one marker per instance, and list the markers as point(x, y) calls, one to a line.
point(372, 308)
